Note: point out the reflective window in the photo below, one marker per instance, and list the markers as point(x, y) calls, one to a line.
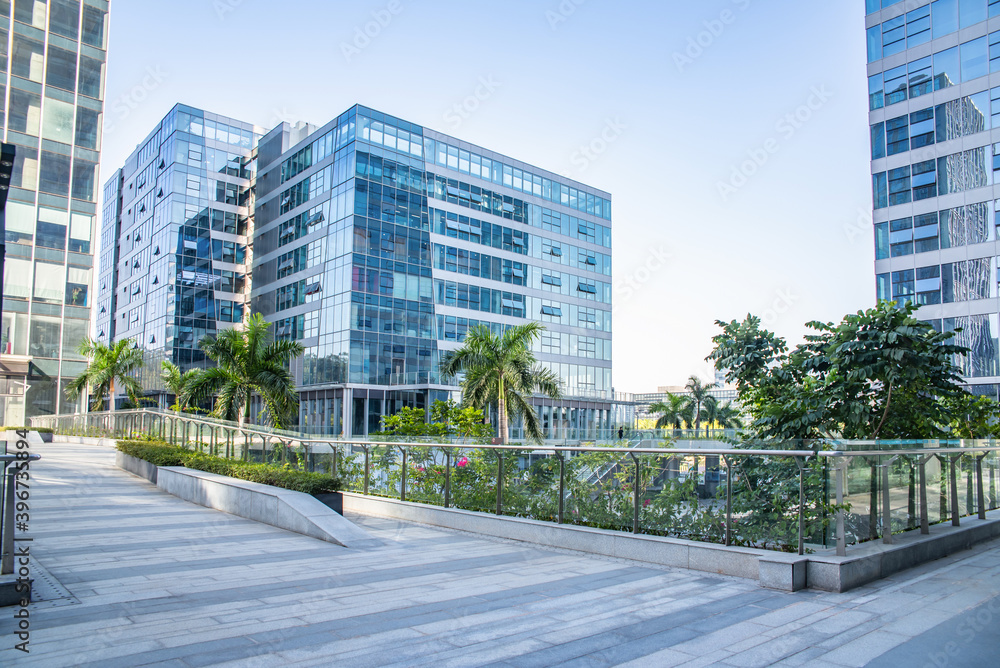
point(898, 135)
point(944, 17)
point(921, 77)
point(64, 18)
point(880, 196)
point(27, 58)
point(60, 69)
point(58, 121)
point(972, 12)
point(899, 186)
point(893, 36)
point(878, 141)
point(896, 84)
point(881, 241)
point(918, 26)
point(94, 21)
point(54, 174)
point(946, 68)
point(975, 59)
point(876, 99)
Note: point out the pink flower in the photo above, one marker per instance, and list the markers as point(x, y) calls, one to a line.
point(420, 469)
point(464, 461)
point(646, 503)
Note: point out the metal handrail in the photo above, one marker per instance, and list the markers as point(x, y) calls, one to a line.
point(7, 507)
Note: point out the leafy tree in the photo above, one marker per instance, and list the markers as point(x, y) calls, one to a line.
point(249, 361)
point(881, 373)
point(110, 367)
point(447, 419)
point(672, 411)
point(721, 414)
point(178, 383)
point(501, 370)
point(698, 395)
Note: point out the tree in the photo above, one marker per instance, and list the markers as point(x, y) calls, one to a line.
point(109, 367)
point(248, 362)
point(178, 383)
point(672, 411)
point(881, 373)
point(721, 414)
point(698, 395)
point(501, 370)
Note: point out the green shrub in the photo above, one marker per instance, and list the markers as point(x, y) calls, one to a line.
point(156, 453)
point(164, 454)
point(40, 430)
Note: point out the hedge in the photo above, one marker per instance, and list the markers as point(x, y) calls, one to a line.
point(164, 454)
point(40, 430)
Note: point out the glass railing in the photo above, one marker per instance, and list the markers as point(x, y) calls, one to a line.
point(794, 496)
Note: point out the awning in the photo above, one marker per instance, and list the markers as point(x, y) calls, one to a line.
point(14, 367)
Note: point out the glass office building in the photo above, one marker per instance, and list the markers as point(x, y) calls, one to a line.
point(176, 224)
point(53, 90)
point(934, 100)
point(379, 243)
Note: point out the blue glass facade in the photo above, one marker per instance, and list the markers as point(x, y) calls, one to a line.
point(379, 243)
point(177, 221)
point(934, 103)
point(52, 92)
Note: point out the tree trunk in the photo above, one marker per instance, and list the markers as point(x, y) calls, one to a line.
point(502, 415)
point(112, 409)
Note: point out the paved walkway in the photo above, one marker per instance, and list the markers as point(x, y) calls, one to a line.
point(137, 577)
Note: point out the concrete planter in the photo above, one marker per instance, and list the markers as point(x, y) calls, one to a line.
point(136, 466)
point(333, 500)
point(45, 436)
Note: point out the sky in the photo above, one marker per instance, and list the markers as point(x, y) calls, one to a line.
point(732, 134)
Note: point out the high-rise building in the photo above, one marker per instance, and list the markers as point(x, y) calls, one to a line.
point(934, 101)
point(53, 85)
point(379, 243)
point(175, 258)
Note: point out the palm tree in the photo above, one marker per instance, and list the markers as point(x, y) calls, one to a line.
point(178, 383)
point(502, 370)
point(728, 417)
point(672, 411)
point(248, 361)
point(109, 366)
point(698, 393)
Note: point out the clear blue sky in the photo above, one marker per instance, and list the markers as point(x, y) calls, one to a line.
point(785, 243)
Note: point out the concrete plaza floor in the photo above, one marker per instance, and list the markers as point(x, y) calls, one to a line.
point(130, 576)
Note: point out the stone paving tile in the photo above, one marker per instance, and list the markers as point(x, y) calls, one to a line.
point(158, 581)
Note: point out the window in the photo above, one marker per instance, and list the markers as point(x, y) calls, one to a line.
point(25, 112)
point(551, 310)
point(893, 36)
point(587, 288)
point(921, 128)
point(946, 68)
point(899, 186)
point(881, 241)
point(64, 18)
point(551, 280)
point(921, 77)
point(93, 26)
point(971, 12)
point(87, 128)
point(54, 176)
point(944, 17)
point(880, 197)
point(924, 180)
point(91, 77)
point(918, 26)
point(27, 58)
point(975, 59)
point(901, 237)
point(898, 135)
point(874, 43)
point(925, 233)
point(876, 98)
point(896, 84)
point(61, 69)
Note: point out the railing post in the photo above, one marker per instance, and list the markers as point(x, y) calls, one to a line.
point(802, 505)
point(729, 500)
point(562, 487)
point(402, 487)
point(447, 478)
point(980, 493)
point(841, 515)
point(954, 490)
point(9, 472)
point(886, 503)
point(368, 468)
point(925, 523)
point(499, 482)
point(635, 495)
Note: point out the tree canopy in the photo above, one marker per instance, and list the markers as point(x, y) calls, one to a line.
point(110, 366)
point(880, 373)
